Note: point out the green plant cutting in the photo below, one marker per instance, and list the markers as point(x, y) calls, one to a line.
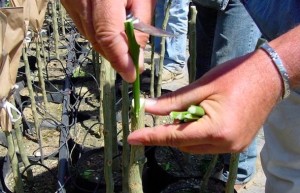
point(134, 50)
point(193, 113)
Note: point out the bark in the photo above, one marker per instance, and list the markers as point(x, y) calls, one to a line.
point(108, 138)
point(14, 162)
point(137, 156)
point(55, 27)
point(209, 170)
point(20, 143)
point(233, 167)
point(32, 99)
point(40, 72)
point(126, 147)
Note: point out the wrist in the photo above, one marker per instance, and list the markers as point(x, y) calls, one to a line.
point(277, 62)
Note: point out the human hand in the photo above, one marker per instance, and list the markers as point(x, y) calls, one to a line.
point(237, 97)
point(102, 23)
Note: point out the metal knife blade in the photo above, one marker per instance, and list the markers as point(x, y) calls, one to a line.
point(146, 28)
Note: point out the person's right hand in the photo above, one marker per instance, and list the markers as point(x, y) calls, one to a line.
point(102, 23)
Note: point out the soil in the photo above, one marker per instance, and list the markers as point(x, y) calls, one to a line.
point(181, 165)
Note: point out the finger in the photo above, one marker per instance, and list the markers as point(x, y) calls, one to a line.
point(174, 135)
point(202, 149)
point(108, 21)
point(205, 149)
point(86, 20)
point(144, 12)
point(75, 17)
point(211, 149)
point(177, 100)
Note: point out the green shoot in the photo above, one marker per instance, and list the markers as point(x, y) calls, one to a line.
point(134, 50)
point(192, 114)
point(178, 115)
point(196, 110)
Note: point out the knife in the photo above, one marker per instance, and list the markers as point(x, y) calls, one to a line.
point(146, 28)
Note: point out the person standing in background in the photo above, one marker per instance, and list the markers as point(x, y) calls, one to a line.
point(3, 3)
point(175, 53)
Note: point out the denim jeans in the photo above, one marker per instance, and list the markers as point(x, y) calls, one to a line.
point(175, 53)
point(221, 36)
point(2, 3)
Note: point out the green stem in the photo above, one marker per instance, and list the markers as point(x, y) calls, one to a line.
point(126, 146)
point(137, 152)
point(134, 50)
point(192, 63)
point(40, 70)
point(14, 162)
point(152, 82)
point(108, 127)
point(233, 167)
point(163, 49)
point(19, 138)
point(101, 77)
point(55, 27)
point(209, 170)
point(137, 155)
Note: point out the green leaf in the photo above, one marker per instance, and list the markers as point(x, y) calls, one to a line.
point(78, 72)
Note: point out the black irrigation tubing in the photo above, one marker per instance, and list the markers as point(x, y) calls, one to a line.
point(60, 62)
point(64, 125)
point(86, 58)
point(94, 78)
point(64, 150)
point(37, 149)
point(55, 152)
point(81, 97)
point(87, 132)
point(39, 164)
point(22, 104)
point(61, 186)
point(48, 92)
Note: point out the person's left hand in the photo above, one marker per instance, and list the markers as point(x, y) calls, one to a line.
point(237, 97)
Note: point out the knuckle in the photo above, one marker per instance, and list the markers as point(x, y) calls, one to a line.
point(233, 142)
point(236, 147)
point(106, 39)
